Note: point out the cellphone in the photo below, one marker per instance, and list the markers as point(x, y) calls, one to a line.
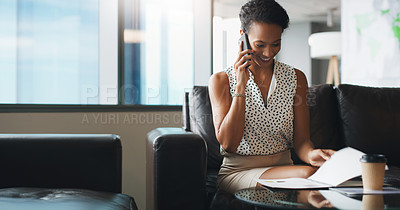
point(246, 43)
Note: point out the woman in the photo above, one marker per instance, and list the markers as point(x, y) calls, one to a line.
point(259, 106)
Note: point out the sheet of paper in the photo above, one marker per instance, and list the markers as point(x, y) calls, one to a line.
point(342, 166)
point(292, 183)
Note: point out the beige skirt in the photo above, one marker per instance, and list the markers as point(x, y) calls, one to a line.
point(242, 171)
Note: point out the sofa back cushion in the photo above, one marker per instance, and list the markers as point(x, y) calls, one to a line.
point(324, 117)
point(324, 130)
point(371, 119)
point(83, 161)
point(201, 123)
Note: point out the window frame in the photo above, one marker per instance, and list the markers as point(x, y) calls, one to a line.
point(36, 108)
point(200, 17)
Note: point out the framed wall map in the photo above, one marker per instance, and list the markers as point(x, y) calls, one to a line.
point(371, 42)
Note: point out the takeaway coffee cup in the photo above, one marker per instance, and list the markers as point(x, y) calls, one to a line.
point(373, 171)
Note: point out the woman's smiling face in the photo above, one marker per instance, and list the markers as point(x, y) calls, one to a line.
point(265, 40)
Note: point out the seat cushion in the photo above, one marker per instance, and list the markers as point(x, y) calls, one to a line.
point(371, 119)
point(63, 199)
point(211, 185)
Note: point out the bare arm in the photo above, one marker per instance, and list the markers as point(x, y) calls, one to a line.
point(228, 112)
point(302, 143)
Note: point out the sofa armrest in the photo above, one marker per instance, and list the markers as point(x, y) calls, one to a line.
point(176, 169)
point(83, 161)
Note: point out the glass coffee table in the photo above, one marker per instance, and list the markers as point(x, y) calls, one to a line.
point(305, 199)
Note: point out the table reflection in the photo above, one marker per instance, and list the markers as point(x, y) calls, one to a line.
point(373, 202)
point(285, 198)
point(314, 198)
point(304, 199)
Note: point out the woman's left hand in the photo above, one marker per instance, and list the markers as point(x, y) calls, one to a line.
point(317, 157)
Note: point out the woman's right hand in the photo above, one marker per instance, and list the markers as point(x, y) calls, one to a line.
point(241, 65)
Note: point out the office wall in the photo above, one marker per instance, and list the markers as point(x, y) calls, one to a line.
point(132, 127)
point(295, 50)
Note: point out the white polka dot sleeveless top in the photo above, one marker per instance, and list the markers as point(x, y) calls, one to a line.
point(268, 129)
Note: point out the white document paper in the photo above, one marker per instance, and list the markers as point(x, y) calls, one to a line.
point(342, 166)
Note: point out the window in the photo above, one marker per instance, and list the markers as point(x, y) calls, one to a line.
point(66, 52)
point(50, 52)
point(158, 39)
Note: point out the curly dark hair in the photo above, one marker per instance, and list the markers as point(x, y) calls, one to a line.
point(266, 11)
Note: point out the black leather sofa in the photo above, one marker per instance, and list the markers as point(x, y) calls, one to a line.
point(62, 171)
point(183, 163)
